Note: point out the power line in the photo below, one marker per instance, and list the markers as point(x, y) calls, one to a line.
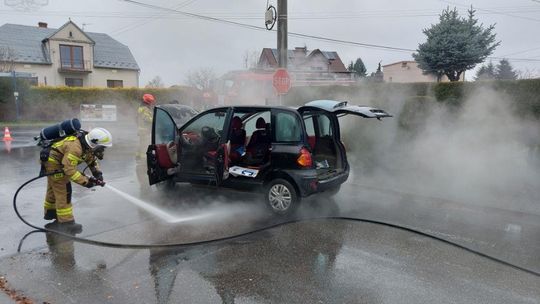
point(254, 27)
point(492, 11)
point(150, 19)
point(531, 59)
point(523, 51)
point(249, 15)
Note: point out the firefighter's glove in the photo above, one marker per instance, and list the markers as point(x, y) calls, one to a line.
point(98, 175)
point(92, 182)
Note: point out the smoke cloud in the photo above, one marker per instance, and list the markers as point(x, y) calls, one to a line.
point(478, 153)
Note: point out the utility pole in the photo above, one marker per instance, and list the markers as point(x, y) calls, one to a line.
point(282, 33)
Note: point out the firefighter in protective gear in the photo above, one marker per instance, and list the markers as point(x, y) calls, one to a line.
point(64, 157)
point(144, 123)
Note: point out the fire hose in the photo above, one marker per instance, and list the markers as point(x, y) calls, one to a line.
point(238, 236)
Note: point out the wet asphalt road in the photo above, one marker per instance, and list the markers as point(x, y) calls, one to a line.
point(321, 261)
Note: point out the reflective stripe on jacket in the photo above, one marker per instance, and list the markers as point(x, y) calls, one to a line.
point(68, 154)
point(144, 117)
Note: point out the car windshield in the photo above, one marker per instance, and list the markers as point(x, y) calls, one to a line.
point(180, 113)
point(214, 120)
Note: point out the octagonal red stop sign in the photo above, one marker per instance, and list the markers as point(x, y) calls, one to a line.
point(281, 81)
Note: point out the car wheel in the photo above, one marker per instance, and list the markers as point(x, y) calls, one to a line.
point(281, 197)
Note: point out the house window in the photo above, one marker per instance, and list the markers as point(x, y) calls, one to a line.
point(71, 57)
point(33, 81)
point(74, 82)
point(115, 83)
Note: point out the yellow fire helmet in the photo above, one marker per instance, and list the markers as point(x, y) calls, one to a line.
point(98, 137)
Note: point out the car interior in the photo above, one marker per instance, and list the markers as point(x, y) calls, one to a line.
point(325, 150)
point(249, 142)
point(199, 143)
point(250, 139)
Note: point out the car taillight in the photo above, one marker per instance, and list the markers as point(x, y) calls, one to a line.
point(305, 160)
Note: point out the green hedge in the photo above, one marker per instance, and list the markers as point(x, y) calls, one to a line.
point(53, 103)
point(415, 111)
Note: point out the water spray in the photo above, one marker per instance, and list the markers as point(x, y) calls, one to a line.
point(167, 217)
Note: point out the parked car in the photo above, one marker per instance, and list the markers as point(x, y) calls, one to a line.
point(287, 153)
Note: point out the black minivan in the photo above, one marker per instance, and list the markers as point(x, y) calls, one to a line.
point(288, 153)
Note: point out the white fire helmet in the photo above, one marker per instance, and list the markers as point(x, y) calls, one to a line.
point(98, 137)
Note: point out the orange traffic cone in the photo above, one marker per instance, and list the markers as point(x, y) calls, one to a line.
point(7, 135)
point(8, 146)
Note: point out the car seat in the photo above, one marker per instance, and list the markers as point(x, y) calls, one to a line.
point(237, 139)
point(259, 144)
point(166, 155)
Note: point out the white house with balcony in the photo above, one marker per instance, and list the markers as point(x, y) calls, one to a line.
point(67, 56)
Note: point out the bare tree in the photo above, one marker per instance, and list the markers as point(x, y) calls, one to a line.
point(250, 59)
point(7, 59)
point(201, 78)
point(528, 73)
point(156, 82)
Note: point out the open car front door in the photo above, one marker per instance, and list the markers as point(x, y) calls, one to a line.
point(161, 155)
point(202, 150)
point(341, 108)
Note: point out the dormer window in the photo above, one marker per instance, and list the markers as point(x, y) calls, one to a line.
point(71, 57)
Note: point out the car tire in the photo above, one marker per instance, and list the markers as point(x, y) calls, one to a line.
point(281, 197)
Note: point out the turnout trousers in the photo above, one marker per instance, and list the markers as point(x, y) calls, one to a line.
point(58, 195)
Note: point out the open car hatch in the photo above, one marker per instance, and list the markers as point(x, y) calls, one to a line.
point(341, 108)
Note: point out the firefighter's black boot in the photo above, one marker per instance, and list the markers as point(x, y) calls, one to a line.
point(68, 227)
point(50, 215)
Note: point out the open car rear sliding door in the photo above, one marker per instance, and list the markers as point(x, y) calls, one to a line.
point(161, 155)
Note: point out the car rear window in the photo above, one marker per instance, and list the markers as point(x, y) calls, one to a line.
point(288, 128)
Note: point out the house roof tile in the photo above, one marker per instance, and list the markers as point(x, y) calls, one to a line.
point(27, 42)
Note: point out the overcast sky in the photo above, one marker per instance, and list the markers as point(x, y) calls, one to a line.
point(170, 45)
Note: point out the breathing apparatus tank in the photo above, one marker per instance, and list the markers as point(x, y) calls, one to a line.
point(63, 129)
point(54, 133)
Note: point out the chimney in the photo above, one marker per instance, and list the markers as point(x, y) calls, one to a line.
point(301, 50)
point(42, 24)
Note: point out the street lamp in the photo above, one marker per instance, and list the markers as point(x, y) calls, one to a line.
point(15, 94)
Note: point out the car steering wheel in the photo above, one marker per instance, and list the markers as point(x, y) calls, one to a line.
point(190, 138)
